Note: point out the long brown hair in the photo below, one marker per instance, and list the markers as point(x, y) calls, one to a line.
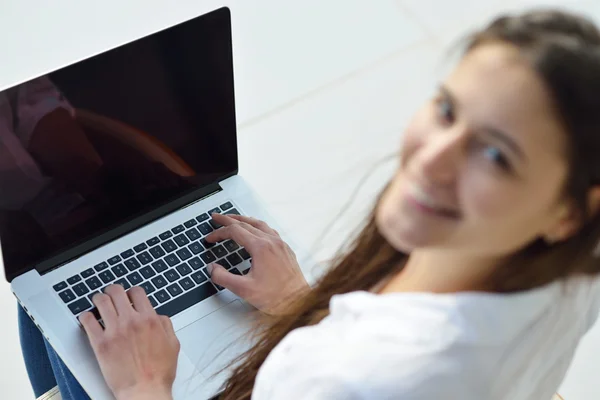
point(564, 49)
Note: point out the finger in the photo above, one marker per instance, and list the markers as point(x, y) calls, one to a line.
point(106, 309)
point(258, 224)
point(91, 326)
point(140, 300)
point(119, 299)
point(236, 283)
point(240, 234)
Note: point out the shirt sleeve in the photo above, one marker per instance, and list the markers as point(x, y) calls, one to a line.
point(33, 100)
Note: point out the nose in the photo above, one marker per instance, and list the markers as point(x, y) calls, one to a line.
point(440, 157)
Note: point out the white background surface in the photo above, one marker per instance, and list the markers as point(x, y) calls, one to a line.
point(323, 90)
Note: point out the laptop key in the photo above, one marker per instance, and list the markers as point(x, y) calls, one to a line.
point(199, 277)
point(134, 278)
point(67, 296)
point(153, 302)
point(208, 257)
point(214, 224)
point(181, 240)
point(231, 246)
point(184, 269)
point(205, 228)
point(94, 283)
point(119, 270)
point(190, 223)
point(169, 246)
point(145, 258)
point(245, 272)
point(106, 276)
point(101, 266)
point(186, 301)
point(235, 271)
point(186, 283)
point(140, 247)
point(132, 264)
point(159, 281)
point(123, 282)
point(174, 290)
point(172, 275)
point(207, 244)
point(244, 254)
point(60, 286)
point(162, 296)
point(184, 253)
point(215, 210)
point(172, 260)
point(153, 241)
point(226, 206)
point(80, 306)
point(157, 252)
point(196, 263)
point(113, 260)
point(178, 229)
point(80, 289)
point(224, 263)
point(165, 235)
point(74, 279)
point(127, 253)
point(87, 273)
point(160, 266)
point(147, 272)
point(234, 212)
point(219, 251)
point(202, 217)
point(196, 248)
point(193, 234)
point(148, 288)
point(234, 259)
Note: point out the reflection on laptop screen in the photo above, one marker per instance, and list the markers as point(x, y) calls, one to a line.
point(89, 147)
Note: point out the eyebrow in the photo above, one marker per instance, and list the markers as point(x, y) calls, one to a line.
point(495, 133)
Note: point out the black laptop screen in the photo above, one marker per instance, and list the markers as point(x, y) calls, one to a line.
point(101, 143)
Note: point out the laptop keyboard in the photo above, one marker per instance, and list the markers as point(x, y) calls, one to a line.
point(171, 267)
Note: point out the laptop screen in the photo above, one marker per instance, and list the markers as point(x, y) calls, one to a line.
point(90, 148)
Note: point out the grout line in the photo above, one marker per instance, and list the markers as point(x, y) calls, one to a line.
point(413, 16)
point(334, 83)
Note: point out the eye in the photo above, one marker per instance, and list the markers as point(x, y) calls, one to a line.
point(445, 111)
point(495, 155)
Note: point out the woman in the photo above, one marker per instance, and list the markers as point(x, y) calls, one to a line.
point(476, 276)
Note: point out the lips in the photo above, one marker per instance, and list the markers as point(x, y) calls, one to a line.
point(431, 203)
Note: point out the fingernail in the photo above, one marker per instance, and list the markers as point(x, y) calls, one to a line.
point(209, 268)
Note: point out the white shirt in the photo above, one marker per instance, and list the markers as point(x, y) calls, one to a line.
point(21, 108)
point(424, 346)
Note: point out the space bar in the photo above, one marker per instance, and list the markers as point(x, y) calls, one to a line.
point(184, 302)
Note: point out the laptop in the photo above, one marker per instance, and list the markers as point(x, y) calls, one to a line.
point(112, 168)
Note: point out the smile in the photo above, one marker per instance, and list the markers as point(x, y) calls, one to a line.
point(429, 204)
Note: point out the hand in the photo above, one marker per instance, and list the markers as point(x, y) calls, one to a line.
point(137, 351)
point(275, 277)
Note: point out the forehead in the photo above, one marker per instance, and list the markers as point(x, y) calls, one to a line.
point(496, 86)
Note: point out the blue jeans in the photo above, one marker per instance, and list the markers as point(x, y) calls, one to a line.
point(44, 367)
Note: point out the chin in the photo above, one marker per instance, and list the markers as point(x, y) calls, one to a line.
point(400, 237)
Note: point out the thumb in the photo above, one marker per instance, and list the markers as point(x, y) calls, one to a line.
point(219, 275)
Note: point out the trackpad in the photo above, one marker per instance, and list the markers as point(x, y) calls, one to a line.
point(213, 341)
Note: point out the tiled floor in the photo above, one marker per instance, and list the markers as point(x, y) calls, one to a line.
point(323, 89)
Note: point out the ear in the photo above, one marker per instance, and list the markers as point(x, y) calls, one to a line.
point(569, 218)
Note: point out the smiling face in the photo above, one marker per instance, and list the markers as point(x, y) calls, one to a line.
point(483, 164)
